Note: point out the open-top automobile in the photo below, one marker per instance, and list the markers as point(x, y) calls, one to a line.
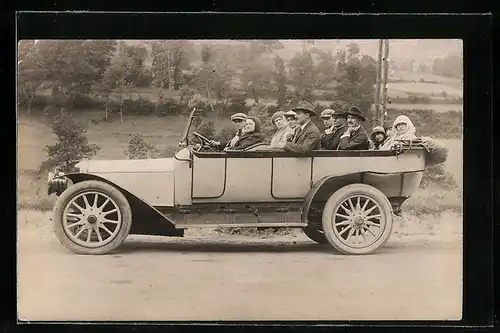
point(343, 198)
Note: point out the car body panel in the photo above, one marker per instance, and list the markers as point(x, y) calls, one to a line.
point(151, 180)
point(270, 176)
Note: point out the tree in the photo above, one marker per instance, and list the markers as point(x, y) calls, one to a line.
point(71, 145)
point(72, 66)
point(114, 79)
point(99, 54)
point(325, 69)
point(279, 77)
point(303, 75)
point(256, 77)
point(352, 50)
point(29, 77)
point(356, 78)
point(169, 58)
point(214, 76)
point(138, 54)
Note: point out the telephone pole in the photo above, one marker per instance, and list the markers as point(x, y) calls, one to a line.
point(376, 114)
point(386, 72)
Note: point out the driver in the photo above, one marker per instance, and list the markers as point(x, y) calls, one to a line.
point(239, 121)
point(251, 135)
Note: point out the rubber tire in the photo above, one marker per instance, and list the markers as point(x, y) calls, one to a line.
point(92, 185)
point(315, 235)
point(337, 198)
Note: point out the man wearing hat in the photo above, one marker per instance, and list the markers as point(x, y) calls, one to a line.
point(239, 120)
point(291, 119)
point(335, 123)
point(355, 137)
point(307, 136)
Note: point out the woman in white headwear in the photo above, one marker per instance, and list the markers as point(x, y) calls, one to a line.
point(402, 129)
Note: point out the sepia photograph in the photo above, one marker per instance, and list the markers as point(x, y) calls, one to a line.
point(239, 179)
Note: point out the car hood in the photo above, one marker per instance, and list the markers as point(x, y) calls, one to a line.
point(119, 166)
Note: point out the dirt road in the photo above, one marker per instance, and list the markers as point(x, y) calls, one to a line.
point(206, 276)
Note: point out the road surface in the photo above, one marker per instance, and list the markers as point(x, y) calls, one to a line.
point(208, 276)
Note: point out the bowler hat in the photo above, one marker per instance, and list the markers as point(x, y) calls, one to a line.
point(339, 114)
point(305, 106)
point(239, 116)
point(354, 111)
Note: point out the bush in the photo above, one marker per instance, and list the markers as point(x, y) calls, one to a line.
point(207, 130)
point(38, 102)
point(71, 146)
point(259, 110)
point(438, 176)
point(329, 96)
point(138, 149)
point(225, 133)
point(84, 102)
point(413, 99)
point(140, 106)
point(145, 79)
point(237, 103)
point(169, 106)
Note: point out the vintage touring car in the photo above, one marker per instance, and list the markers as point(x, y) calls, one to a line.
point(344, 198)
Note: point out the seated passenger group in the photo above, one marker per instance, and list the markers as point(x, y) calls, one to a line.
point(297, 133)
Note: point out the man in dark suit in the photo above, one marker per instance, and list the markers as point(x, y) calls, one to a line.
point(335, 123)
point(307, 136)
point(355, 137)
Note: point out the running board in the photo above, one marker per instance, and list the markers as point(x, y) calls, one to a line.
point(241, 225)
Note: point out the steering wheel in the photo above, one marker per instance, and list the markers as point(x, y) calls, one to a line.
point(205, 142)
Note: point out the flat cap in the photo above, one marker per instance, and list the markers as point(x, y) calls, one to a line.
point(327, 113)
point(290, 114)
point(239, 116)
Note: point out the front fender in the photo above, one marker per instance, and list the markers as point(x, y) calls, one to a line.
point(148, 215)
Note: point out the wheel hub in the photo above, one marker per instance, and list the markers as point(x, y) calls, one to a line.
point(359, 222)
point(92, 219)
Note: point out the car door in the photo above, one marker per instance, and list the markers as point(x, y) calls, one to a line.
point(209, 176)
point(291, 177)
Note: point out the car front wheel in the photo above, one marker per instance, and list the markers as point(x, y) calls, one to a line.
point(357, 219)
point(92, 217)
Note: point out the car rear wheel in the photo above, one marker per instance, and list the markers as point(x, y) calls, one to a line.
point(92, 217)
point(315, 234)
point(357, 219)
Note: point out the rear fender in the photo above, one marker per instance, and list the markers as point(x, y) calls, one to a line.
point(146, 220)
point(320, 192)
